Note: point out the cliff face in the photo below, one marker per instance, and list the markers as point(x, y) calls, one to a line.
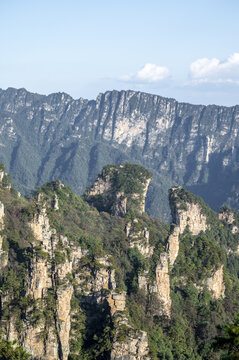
point(128, 343)
point(192, 145)
point(228, 216)
point(185, 214)
point(3, 254)
point(139, 238)
point(162, 285)
point(43, 278)
point(78, 282)
point(119, 189)
point(215, 284)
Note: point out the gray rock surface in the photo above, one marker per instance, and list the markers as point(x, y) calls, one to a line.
point(48, 137)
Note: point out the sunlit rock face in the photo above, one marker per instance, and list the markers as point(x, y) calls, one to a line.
point(47, 137)
point(185, 214)
point(119, 189)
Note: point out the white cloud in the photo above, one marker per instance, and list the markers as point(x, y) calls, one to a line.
point(150, 73)
point(216, 71)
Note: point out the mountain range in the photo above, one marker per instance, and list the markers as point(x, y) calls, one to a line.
point(43, 138)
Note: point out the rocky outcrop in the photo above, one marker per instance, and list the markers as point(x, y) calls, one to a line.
point(139, 237)
point(101, 185)
point(141, 197)
point(162, 286)
point(128, 343)
point(119, 189)
point(182, 143)
point(133, 347)
point(120, 204)
point(185, 214)
point(3, 254)
point(44, 277)
point(215, 284)
point(173, 245)
point(116, 301)
point(228, 216)
point(94, 281)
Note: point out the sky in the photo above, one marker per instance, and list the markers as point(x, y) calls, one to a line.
point(184, 49)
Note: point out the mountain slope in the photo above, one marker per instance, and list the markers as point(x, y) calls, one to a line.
point(47, 137)
point(78, 283)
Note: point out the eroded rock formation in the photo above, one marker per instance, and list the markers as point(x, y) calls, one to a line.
point(215, 284)
point(128, 343)
point(185, 214)
point(139, 237)
point(119, 189)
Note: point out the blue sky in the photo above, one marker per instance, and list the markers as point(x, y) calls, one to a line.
point(184, 49)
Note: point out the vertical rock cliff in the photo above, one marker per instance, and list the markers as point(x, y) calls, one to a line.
point(86, 282)
point(119, 189)
point(185, 214)
point(55, 136)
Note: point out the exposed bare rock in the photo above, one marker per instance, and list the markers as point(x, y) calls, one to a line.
point(101, 185)
point(55, 203)
point(139, 238)
point(93, 283)
point(3, 254)
point(143, 280)
point(184, 214)
point(120, 204)
point(51, 346)
point(173, 245)
point(116, 302)
point(134, 347)
point(63, 313)
point(39, 278)
point(228, 216)
point(4, 180)
point(32, 340)
point(43, 276)
point(41, 228)
point(118, 189)
point(235, 229)
point(128, 343)
point(2, 173)
point(215, 284)
point(162, 285)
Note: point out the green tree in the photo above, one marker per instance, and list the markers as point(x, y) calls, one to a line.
point(8, 351)
point(229, 341)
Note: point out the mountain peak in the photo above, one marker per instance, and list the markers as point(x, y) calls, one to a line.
point(120, 188)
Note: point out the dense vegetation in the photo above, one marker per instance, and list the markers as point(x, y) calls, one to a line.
point(8, 351)
point(190, 332)
point(126, 180)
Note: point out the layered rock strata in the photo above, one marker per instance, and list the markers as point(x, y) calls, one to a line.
point(215, 284)
point(139, 238)
point(185, 214)
point(182, 143)
point(128, 343)
point(108, 191)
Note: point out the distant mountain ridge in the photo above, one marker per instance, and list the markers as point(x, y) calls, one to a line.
point(47, 137)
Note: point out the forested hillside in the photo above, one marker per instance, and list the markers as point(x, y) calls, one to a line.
point(97, 278)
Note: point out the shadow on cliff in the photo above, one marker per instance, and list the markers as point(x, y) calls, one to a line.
point(221, 182)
